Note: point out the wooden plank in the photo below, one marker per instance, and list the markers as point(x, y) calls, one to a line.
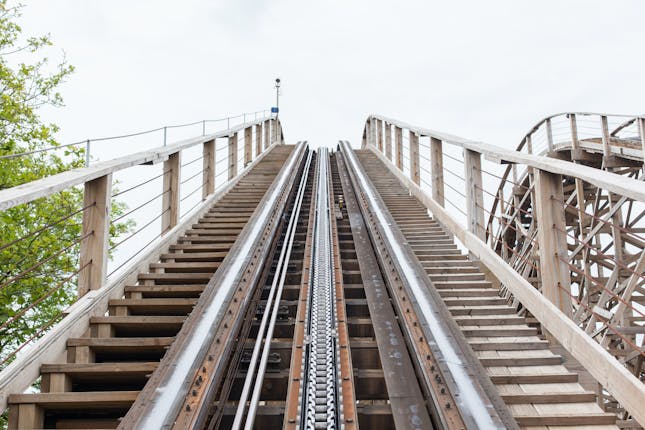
point(415, 168)
point(548, 397)
point(266, 125)
point(96, 223)
point(232, 156)
point(170, 199)
point(474, 193)
point(379, 135)
point(436, 159)
point(72, 400)
point(388, 140)
point(258, 139)
point(566, 419)
point(398, 143)
point(248, 145)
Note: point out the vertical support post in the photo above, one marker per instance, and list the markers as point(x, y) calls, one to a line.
point(258, 139)
point(604, 128)
point(373, 132)
point(379, 135)
point(366, 132)
point(551, 225)
point(274, 130)
point(415, 170)
point(398, 144)
point(248, 145)
point(208, 178)
point(267, 131)
point(436, 158)
point(232, 156)
point(96, 223)
point(474, 193)
point(170, 200)
point(388, 141)
point(641, 127)
point(529, 144)
point(549, 135)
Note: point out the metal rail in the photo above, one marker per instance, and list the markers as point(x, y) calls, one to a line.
point(321, 395)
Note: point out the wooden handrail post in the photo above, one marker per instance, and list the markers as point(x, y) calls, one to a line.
point(373, 132)
point(552, 241)
point(436, 158)
point(379, 135)
point(365, 133)
point(232, 156)
point(208, 178)
point(398, 144)
point(641, 127)
point(96, 224)
point(258, 139)
point(388, 141)
point(267, 131)
point(248, 145)
point(170, 200)
point(549, 135)
point(474, 193)
point(415, 170)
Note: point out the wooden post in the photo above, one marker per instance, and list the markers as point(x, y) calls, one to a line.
point(474, 193)
point(436, 158)
point(641, 128)
point(96, 223)
point(208, 178)
point(415, 171)
point(267, 134)
point(232, 156)
point(388, 141)
point(604, 128)
point(552, 241)
point(398, 144)
point(248, 145)
point(274, 130)
point(379, 135)
point(366, 131)
point(373, 132)
point(258, 139)
point(170, 201)
point(549, 135)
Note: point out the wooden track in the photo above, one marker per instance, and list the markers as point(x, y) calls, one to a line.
point(533, 381)
point(107, 367)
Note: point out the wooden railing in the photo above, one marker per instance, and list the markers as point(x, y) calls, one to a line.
point(94, 285)
point(527, 241)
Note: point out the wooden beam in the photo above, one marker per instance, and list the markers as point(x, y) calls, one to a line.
point(436, 158)
point(415, 169)
point(552, 241)
point(248, 145)
point(641, 128)
point(96, 223)
point(258, 139)
point(170, 200)
point(474, 193)
point(379, 134)
point(232, 156)
point(208, 175)
point(388, 140)
point(549, 135)
point(398, 144)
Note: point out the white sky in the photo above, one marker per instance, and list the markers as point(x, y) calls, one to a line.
point(485, 70)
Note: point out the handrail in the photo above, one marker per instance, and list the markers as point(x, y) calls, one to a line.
point(31, 191)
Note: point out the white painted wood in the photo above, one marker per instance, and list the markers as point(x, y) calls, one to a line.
point(610, 373)
point(52, 184)
point(96, 224)
point(23, 371)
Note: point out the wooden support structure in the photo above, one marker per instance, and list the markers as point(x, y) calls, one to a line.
point(258, 139)
point(170, 200)
point(398, 144)
point(208, 178)
point(267, 133)
point(474, 193)
point(248, 145)
point(388, 140)
point(436, 159)
point(274, 130)
point(232, 156)
point(552, 241)
point(549, 135)
point(415, 169)
point(641, 128)
point(379, 134)
point(96, 224)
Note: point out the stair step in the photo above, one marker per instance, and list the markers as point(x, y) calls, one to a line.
point(495, 345)
point(499, 331)
point(569, 419)
point(86, 400)
point(538, 378)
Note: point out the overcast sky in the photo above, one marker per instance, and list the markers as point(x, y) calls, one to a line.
point(486, 70)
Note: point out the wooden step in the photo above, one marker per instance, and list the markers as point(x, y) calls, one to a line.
point(500, 311)
point(581, 419)
point(537, 378)
point(156, 306)
point(86, 400)
point(498, 345)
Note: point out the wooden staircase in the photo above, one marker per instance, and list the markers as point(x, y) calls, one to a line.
point(539, 390)
point(106, 369)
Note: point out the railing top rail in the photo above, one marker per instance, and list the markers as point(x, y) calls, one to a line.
point(31, 191)
point(619, 184)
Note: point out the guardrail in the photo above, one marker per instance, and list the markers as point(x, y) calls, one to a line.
point(163, 191)
point(531, 230)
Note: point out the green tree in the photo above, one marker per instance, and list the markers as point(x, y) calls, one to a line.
point(39, 241)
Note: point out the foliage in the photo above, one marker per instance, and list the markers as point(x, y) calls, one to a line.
point(38, 273)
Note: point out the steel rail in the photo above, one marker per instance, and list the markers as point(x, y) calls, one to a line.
point(271, 308)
